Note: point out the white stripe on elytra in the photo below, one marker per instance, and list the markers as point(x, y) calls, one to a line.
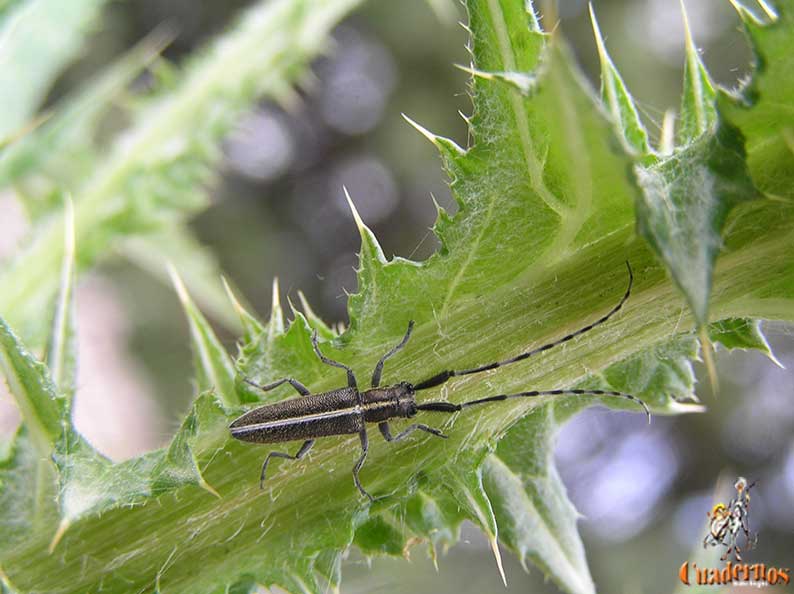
point(330, 414)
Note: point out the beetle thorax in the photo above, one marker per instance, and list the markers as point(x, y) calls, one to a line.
point(382, 404)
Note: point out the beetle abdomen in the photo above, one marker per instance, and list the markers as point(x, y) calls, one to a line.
point(307, 417)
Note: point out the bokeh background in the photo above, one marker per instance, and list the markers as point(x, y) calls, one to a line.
point(279, 211)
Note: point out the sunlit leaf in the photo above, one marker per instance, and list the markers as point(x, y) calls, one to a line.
point(537, 249)
point(28, 66)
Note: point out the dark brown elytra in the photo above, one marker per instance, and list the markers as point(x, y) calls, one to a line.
point(347, 410)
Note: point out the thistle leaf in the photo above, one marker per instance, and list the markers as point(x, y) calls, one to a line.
point(685, 203)
point(156, 171)
point(698, 109)
point(43, 409)
point(196, 264)
point(536, 251)
point(28, 66)
point(617, 99)
point(61, 151)
point(214, 368)
point(27, 492)
point(62, 347)
point(536, 519)
point(760, 108)
point(741, 333)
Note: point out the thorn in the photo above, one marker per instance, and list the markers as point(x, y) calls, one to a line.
point(747, 16)
point(56, 538)
point(769, 353)
point(356, 217)
point(444, 145)
point(304, 303)
point(369, 243)
point(690, 44)
point(250, 324)
point(293, 310)
point(498, 556)
point(276, 324)
point(179, 286)
point(230, 294)
point(534, 25)
point(667, 140)
point(774, 359)
point(440, 212)
point(421, 129)
point(209, 488)
point(307, 309)
point(676, 408)
point(708, 359)
point(770, 12)
point(475, 72)
point(522, 559)
point(311, 316)
point(599, 39)
point(520, 81)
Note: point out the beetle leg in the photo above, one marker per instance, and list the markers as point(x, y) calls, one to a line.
point(386, 431)
point(307, 445)
point(379, 367)
point(360, 463)
point(351, 378)
point(301, 389)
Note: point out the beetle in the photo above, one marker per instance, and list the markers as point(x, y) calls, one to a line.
point(346, 411)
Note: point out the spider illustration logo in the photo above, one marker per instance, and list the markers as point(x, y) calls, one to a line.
point(728, 522)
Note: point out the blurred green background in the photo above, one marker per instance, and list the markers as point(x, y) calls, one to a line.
point(279, 211)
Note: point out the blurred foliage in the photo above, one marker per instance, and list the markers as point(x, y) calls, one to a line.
point(542, 157)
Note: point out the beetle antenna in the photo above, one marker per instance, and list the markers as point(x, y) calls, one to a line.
point(450, 407)
point(444, 376)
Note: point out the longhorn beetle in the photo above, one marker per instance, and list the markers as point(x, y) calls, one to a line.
point(347, 410)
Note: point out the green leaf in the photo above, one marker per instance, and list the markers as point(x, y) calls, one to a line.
point(62, 344)
point(323, 330)
point(377, 536)
point(43, 409)
point(196, 264)
point(27, 492)
point(5, 585)
point(760, 109)
point(661, 375)
point(536, 519)
point(179, 466)
point(28, 66)
point(687, 195)
point(156, 171)
point(91, 485)
point(61, 152)
point(252, 328)
point(685, 204)
point(741, 333)
point(536, 251)
point(214, 368)
point(618, 100)
point(698, 109)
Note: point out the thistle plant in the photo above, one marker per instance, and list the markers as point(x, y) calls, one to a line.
point(557, 188)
